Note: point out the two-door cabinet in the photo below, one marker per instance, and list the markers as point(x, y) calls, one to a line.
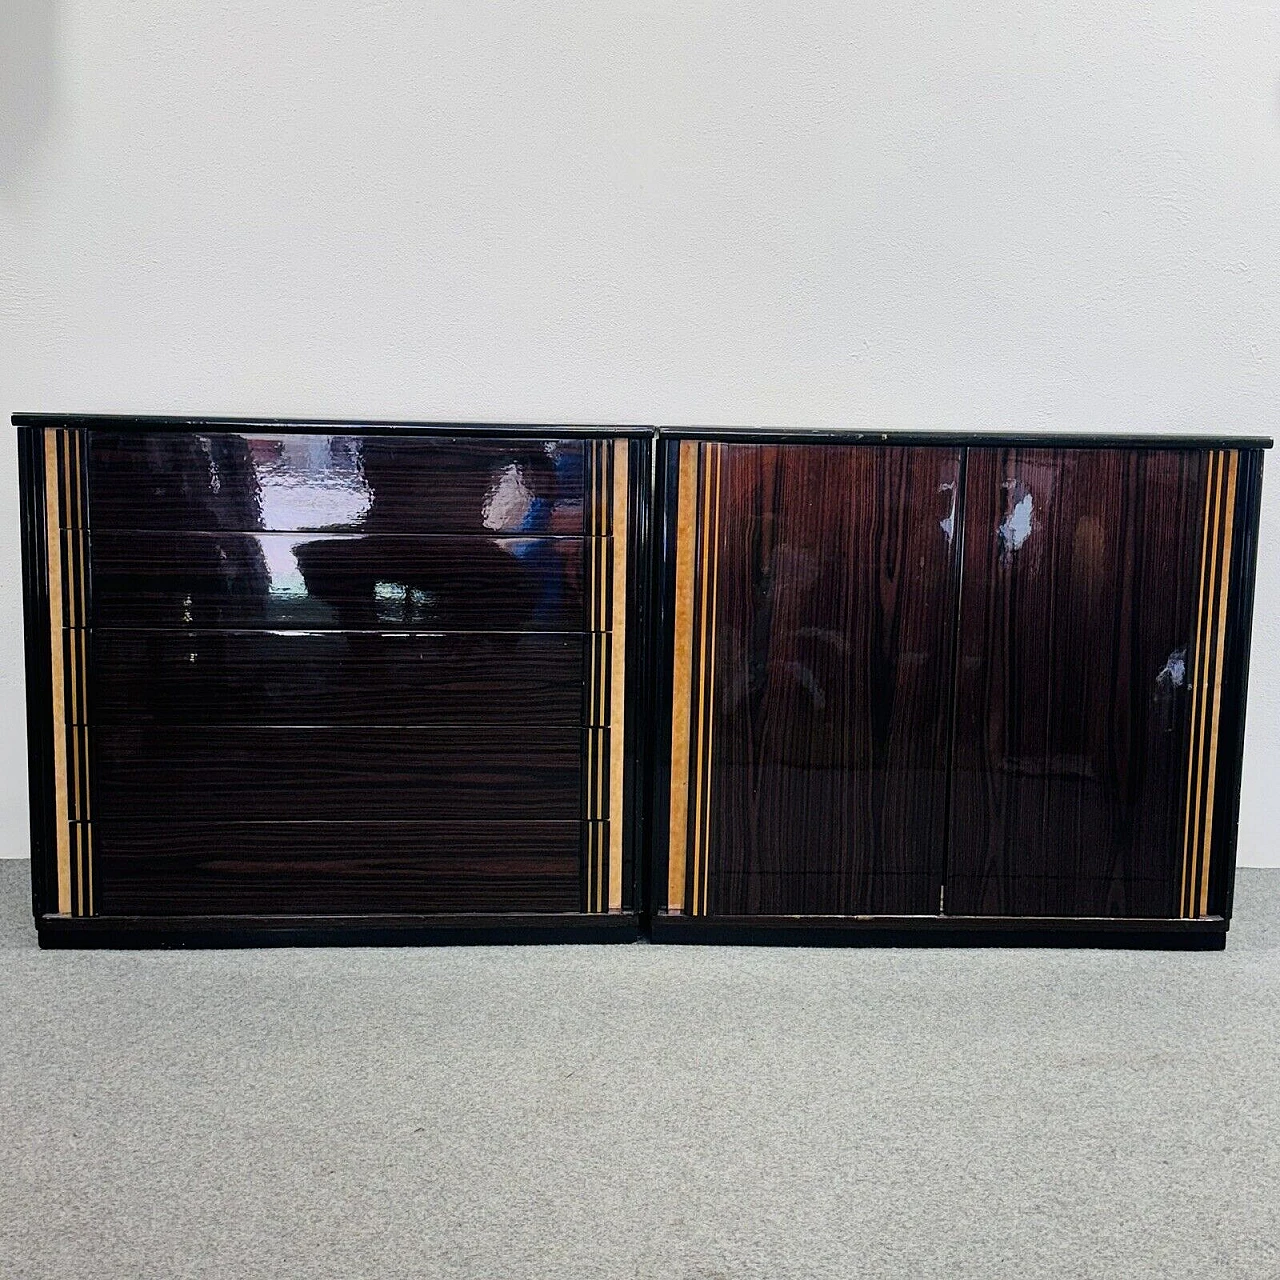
point(943, 689)
point(332, 680)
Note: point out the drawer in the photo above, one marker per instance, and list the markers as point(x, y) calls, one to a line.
point(272, 773)
point(293, 868)
point(369, 582)
point(251, 482)
point(331, 678)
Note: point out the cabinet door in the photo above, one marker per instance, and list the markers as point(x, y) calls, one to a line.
point(1088, 578)
point(813, 605)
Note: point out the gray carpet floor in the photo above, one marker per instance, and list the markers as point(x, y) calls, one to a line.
point(641, 1111)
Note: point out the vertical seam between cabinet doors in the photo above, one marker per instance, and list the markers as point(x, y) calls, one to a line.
point(618, 630)
point(53, 570)
point(1224, 573)
point(1191, 823)
point(682, 673)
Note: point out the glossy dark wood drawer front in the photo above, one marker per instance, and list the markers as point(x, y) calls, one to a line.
point(219, 773)
point(812, 668)
point(335, 673)
point(338, 868)
point(241, 482)
point(331, 678)
point(1077, 642)
point(363, 582)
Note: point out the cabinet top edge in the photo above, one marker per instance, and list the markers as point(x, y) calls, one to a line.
point(728, 435)
point(125, 422)
point(971, 439)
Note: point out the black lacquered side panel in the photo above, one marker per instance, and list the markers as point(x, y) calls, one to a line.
point(330, 678)
point(334, 868)
point(1077, 647)
point(239, 482)
point(214, 773)
point(374, 582)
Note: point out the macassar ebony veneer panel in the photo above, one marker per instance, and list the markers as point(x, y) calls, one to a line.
point(274, 773)
point(329, 678)
point(241, 482)
point(332, 675)
point(1094, 585)
point(949, 687)
point(338, 868)
point(812, 620)
point(339, 673)
point(370, 582)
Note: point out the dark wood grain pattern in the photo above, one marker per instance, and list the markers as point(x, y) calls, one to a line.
point(346, 631)
point(374, 582)
point(239, 482)
point(217, 773)
point(1076, 643)
point(330, 678)
point(299, 868)
point(826, 737)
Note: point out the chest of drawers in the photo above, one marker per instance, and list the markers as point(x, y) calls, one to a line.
point(306, 680)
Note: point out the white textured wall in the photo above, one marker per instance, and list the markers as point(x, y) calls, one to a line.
point(959, 215)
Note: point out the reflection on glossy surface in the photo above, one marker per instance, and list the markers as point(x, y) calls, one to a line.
point(335, 677)
point(359, 484)
point(370, 582)
point(231, 530)
point(1080, 580)
point(834, 592)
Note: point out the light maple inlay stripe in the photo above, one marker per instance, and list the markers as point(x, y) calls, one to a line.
point(682, 672)
point(53, 545)
point(67, 574)
point(618, 675)
point(1224, 573)
point(1211, 628)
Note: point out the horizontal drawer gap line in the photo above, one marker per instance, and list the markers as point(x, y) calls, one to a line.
point(349, 535)
point(117, 629)
point(336, 726)
point(485, 824)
